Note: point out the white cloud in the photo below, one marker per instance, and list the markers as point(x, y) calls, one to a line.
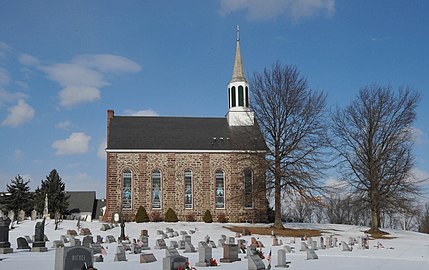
point(4, 77)
point(68, 75)
point(74, 95)
point(19, 114)
point(84, 76)
point(64, 125)
point(101, 153)
point(267, 9)
point(8, 97)
point(76, 143)
point(419, 136)
point(29, 60)
point(107, 63)
point(145, 112)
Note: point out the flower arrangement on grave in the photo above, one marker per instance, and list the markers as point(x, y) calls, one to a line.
point(213, 262)
point(187, 267)
point(260, 253)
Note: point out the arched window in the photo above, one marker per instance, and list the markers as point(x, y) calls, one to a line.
point(126, 189)
point(233, 100)
point(220, 189)
point(240, 96)
point(248, 188)
point(188, 189)
point(229, 97)
point(247, 96)
point(156, 189)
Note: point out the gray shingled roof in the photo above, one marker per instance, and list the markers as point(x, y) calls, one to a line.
point(181, 133)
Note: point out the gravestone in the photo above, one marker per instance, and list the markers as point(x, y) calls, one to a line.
point(186, 238)
point(4, 235)
point(160, 244)
point(281, 259)
point(96, 248)
point(21, 215)
point(231, 240)
point(321, 243)
point(165, 236)
point(120, 254)
point(311, 254)
point(289, 249)
point(207, 239)
point(304, 246)
point(313, 245)
point(204, 254)
point(173, 260)
point(98, 258)
point(275, 242)
point(104, 227)
point(75, 242)
point(309, 240)
point(22, 243)
point(241, 245)
point(223, 237)
point(135, 248)
point(181, 244)
point(71, 233)
point(230, 253)
point(110, 239)
point(144, 233)
point(221, 243)
point(169, 230)
point(147, 258)
point(191, 231)
point(87, 241)
point(212, 244)
point(99, 239)
point(175, 234)
point(11, 216)
point(144, 243)
point(189, 248)
point(57, 244)
point(345, 246)
point(64, 238)
point(39, 237)
point(254, 262)
point(71, 258)
point(33, 215)
point(174, 244)
point(85, 231)
point(183, 233)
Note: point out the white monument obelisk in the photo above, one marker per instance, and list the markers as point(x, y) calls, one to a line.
point(45, 209)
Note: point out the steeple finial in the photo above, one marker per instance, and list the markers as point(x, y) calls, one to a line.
point(238, 32)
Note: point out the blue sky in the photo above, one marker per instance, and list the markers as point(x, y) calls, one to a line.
point(63, 64)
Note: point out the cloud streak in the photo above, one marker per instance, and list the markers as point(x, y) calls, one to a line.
point(269, 9)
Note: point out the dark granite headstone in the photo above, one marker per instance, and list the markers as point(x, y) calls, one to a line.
point(87, 241)
point(181, 244)
point(110, 239)
point(174, 244)
point(39, 244)
point(22, 243)
point(73, 258)
point(4, 235)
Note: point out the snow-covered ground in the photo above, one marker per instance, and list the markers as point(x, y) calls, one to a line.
point(407, 250)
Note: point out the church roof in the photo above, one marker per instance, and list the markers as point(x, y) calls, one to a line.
point(182, 133)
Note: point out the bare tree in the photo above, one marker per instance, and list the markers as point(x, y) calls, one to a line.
point(373, 139)
point(424, 219)
point(291, 117)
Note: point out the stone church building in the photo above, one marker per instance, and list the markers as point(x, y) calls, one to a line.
point(189, 164)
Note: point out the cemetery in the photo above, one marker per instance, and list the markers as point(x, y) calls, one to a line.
point(36, 244)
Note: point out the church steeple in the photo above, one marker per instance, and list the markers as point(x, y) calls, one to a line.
point(239, 113)
point(238, 71)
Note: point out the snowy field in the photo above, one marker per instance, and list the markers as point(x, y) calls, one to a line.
point(407, 250)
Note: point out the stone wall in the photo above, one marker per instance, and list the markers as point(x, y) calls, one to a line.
point(203, 167)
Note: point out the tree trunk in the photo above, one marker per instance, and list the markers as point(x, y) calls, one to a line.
point(278, 224)
point(375, 212)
